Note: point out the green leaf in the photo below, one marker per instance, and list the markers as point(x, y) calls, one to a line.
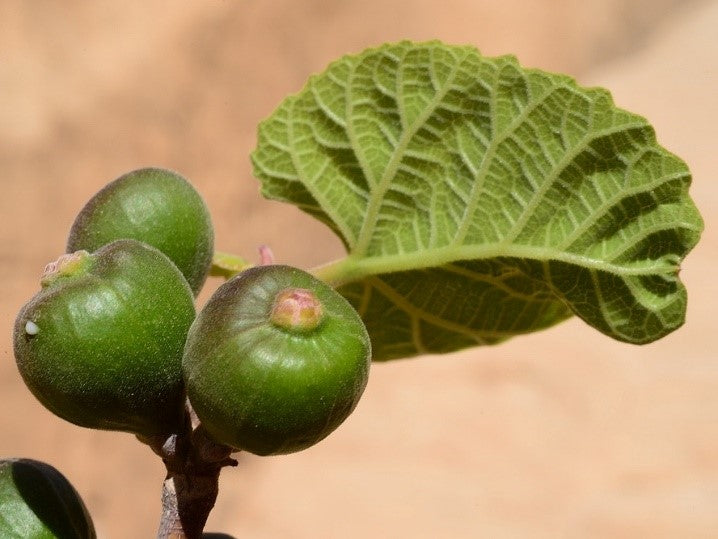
point(478, 200)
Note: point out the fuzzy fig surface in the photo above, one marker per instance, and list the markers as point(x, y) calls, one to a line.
point(275, 361)
point(38, 502)
point(101, 344)
point(155, 206)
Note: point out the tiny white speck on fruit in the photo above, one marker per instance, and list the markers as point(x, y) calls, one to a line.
point(31, 328)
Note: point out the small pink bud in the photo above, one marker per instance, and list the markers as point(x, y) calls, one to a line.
point(297, 309)
point(266, 256)
point(66, 265)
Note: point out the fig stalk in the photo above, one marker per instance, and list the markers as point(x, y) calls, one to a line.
point(186, 504)
point(189, 491)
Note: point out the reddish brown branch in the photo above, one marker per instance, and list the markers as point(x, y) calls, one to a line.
point(193, 462)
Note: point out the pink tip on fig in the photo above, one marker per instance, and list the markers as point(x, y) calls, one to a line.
point(66, 265)
point(266, 256)
point(297, 310)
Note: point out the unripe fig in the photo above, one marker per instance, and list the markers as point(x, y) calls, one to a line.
point(155, 206)
point(38, 502)
point(101, 344)
point(275, 361)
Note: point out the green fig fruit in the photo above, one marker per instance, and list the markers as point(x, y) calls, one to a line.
point(101, 344)
point(38, 502)
point(154, 206)
point(275, 361)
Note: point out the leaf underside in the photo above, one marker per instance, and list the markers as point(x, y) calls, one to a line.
point(479, 200)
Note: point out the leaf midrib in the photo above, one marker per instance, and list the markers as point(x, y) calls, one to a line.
point(354, 268)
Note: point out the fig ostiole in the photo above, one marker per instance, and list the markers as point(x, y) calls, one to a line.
point(275, 361)
point(296, 310)
point(155, 206)
point(101, 344)
point(38, 502)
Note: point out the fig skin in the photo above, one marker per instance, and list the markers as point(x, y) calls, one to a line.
point(156, 206)
point(38, 502)
point(101, 345)
point(267, 389)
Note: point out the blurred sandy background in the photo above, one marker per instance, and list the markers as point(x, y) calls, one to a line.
point(559, 434)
